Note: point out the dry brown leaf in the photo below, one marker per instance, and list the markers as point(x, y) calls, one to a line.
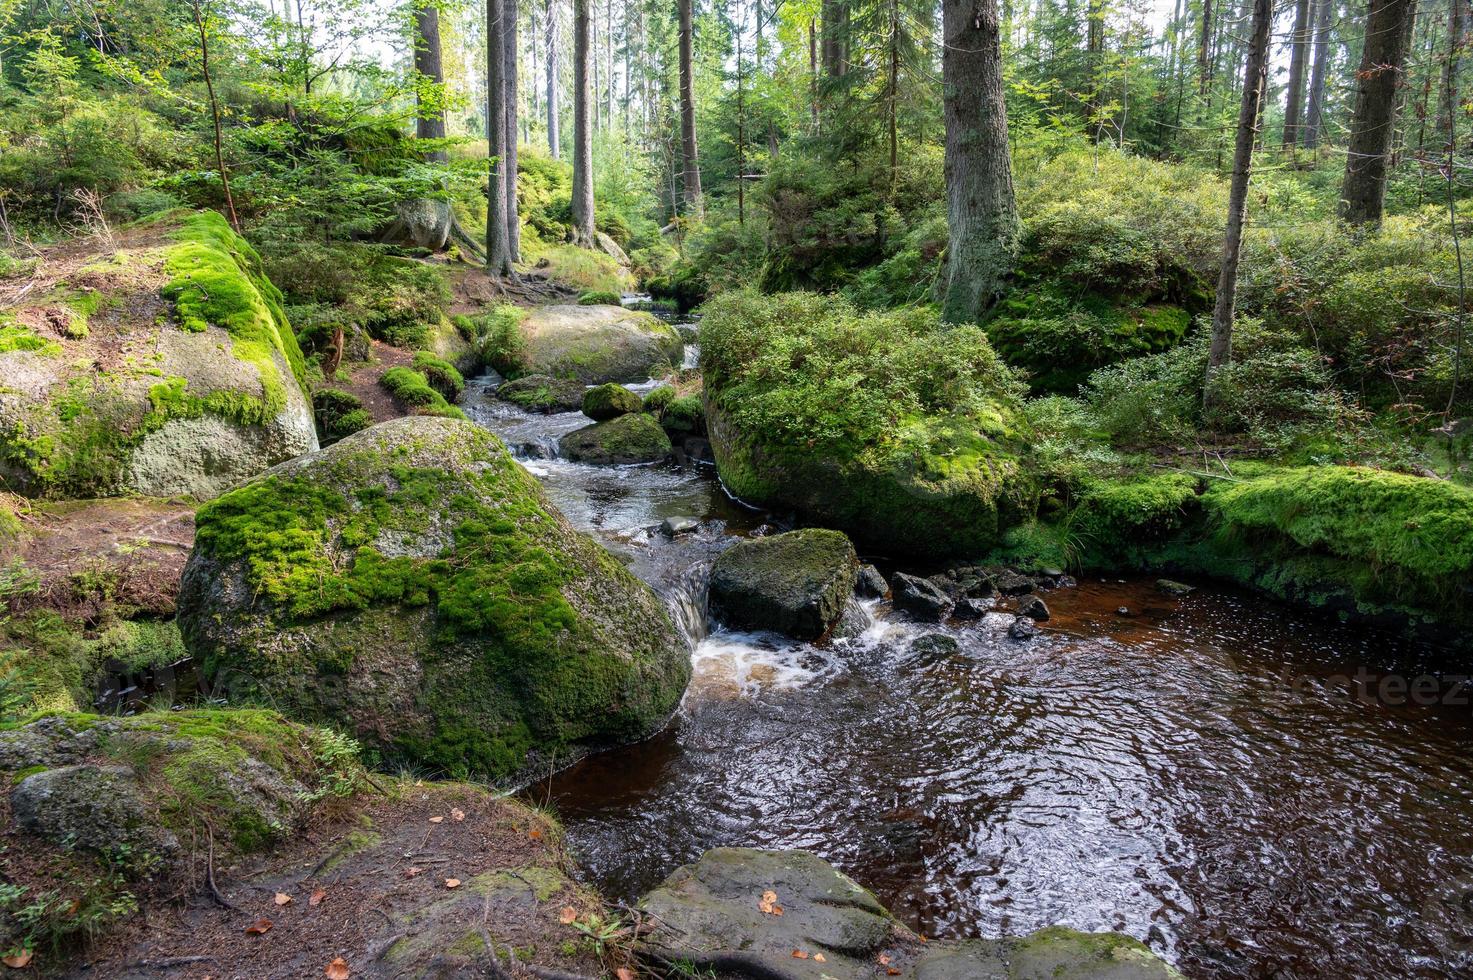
point(567, 915)
point(884, 959)
point(437, 820)
point(535, 834)
point(892, 972)
point(768, 903)
point(452, 882)
point(282, 898)
point(19, 961)
point(317, 897)
point(259, 928)
point(457, 815)
point(798, 954)
point(624, 973)
point(336, 970)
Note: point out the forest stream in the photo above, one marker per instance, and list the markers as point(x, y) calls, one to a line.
point(1230, 781)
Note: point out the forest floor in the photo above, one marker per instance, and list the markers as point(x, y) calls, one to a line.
point(419, 881)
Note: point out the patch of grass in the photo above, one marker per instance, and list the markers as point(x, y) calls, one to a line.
point(411, 388)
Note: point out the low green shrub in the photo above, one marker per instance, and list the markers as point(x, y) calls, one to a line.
point(411, 388)
point(441, 374)
point(496, 337)
point(595, 297)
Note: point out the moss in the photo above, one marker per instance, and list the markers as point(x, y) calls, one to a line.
point(609, 401)
point(541, 393)
point(658, 399)
point(410, 387)
point(635, 438)
point(684, 415)
point(338, 414)
point(496, 338)
point(1058, 951)
point(14, 337)
point(600, 297)
point(440, 374)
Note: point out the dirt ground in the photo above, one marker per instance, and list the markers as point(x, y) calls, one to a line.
point(374, 890)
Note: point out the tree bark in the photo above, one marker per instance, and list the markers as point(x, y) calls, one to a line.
point(1315, 109)
point(553, 135)
point(513, 128)
point(1373, 123)
point(582, 135)
point(1298, 57)
point(498, 246)
point(835, 16)
point(691, 173)
point(428, 63)
point(1204, 51)
point(1447, 97)
point(1255, 80)
point(982, 216)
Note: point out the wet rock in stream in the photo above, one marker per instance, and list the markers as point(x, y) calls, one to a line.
point(797, 583)
point(920, 597)
point(790, 915)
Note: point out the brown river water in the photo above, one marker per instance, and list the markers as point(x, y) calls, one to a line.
point(1254, 792)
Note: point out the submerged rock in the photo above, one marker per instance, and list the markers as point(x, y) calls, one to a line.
point(790, 915)
point(932, 648)
point(163, 366)
point(540, 393)
point(970, 608)
point(609, 401)
point(627, 439)
point(1023, 628)
point(596, 344)
point(675, 526)
point(920, 597)
point(1011, 583)
point(796, 583)
point(412, 585)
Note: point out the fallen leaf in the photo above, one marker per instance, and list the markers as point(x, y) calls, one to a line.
point(922, 938)
point(535, 834)
point(259, 928)
point(19, 960)
point(317, 897)
point(457, 815)
point(798, 954)
point(336, 970)
point(567, 915)
point(282, 898)
point(624, 973)
point(892, 972)
point(411, 872)
point(777, 910)
point(818, 958)
point(437, 820)
point(452, 882)
point(884, 959)
point(768, 903)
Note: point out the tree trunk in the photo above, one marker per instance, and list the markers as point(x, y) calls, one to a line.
point(513, 128)
point(1255, 80)
point(813, 73)
point(204, 59)
point(582, 136)
point(1298, 57)
point(498, 246)
point(1447, 97)
point(691, 174)
point(835, 34)
point(553, 135)
point(982, 216)
point(429, 123)
point(1372, 125)
point(892, 93)
point(1315, 109)
point(1204, 51)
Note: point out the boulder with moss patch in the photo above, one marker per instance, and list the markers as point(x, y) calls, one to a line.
point(163, 366)
point(626, 439)
point(610, 401)
point(596, 344)
point(796, 583)
point(411, 584)
point(541, 393)
point(739, 912)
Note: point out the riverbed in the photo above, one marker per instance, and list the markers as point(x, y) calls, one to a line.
point(1250, 790)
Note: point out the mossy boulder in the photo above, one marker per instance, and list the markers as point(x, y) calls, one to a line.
point(412, 585)
point(796, 583)
point(895, 428)
point(626, 439)
point(610, 401)
point(739, 912)
point(597, 344)
point(542, 393)
point(162, 366)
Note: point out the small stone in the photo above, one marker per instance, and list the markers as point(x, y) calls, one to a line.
point(1124, 611)
point(980, 587)
point(1051, 572)
point(920, 597)
point(1011, 583)
point(970, 608)
point(1023, 628)
point(871, 584)
point(932, 649)
point(1174, 588)
point(1033, 607)
point(674, 526)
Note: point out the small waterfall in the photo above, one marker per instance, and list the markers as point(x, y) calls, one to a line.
point(687, 602)
point(692, 358)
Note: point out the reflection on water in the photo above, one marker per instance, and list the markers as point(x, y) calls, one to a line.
point(1204, 773)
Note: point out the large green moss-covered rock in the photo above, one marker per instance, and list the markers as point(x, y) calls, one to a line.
point(412, 585)
point(540, 393)
point(162, 366)
point(626, 439)
point(893, 427)
point(610, 401)
point(596, 344)
point(796, 583)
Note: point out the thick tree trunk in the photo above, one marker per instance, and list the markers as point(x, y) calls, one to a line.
point(1315, 110)
point(553, 135)
point(513, 127)
point(429, 123)
point(498, 246)
point(1255, 80)
point(691, 174)
point(835, 16)
point(982, 215)
point(1372, 126)
point(1204, 51)
point(1447, 97)
point(582, 135)
point(1298, 57)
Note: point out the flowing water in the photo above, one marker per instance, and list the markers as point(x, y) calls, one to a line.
point(1251, 791)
